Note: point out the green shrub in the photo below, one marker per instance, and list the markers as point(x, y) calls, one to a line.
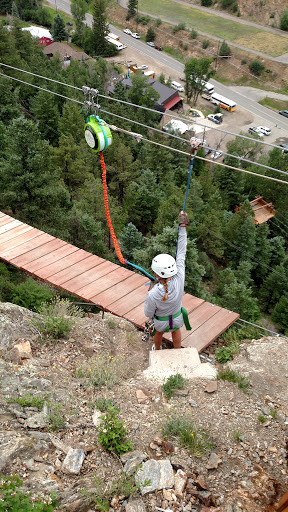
point(205, 43)
point(233, 376)
point(256, 67)
point(113, 434)
point(57, 318)
point(30, 294)
point(189, 435)
point(173, 382)
point(194, 34)
point(243, 61)
point(12, 499)
point(177, 28)
point(224, 354)
point(158, 22)
point(150, 34)
point(206, 3)
point(284, 20)
point(261, 418)
point(280, 313)
point(224, 50)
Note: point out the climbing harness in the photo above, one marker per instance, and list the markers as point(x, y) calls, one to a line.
point(149, 330)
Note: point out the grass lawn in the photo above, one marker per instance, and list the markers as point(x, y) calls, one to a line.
point(274, 104)
point(238, 33)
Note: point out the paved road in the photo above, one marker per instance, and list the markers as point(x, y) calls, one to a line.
point(281, 58)
point(263, 115)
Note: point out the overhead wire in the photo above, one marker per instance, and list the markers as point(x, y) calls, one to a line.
point(222, 164)
point(148, 109)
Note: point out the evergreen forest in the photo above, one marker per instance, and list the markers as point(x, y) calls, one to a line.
point(51, 179)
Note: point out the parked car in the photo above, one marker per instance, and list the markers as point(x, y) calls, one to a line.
point(157, 47)
point(127, 31)
point(284, 148)
point(134, 34)
point(178, 87)
point(283, 113)
point(264, 130)
point(207, 151)
point(216, 155)
point(150, 43)
point(216, 118)
point(143, 67)
point(255, 131)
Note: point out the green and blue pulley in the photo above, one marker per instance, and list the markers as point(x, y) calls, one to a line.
point(97, 134)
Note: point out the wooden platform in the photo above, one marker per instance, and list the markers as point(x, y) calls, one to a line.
point(111, 287)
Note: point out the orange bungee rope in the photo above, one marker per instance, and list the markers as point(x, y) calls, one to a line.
point(115, 242)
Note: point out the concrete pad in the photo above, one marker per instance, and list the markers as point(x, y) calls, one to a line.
point(186, 361)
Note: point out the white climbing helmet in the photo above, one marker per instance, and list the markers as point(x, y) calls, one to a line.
point(164, 265)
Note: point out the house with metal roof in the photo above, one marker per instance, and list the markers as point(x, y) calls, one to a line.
point(168, 99)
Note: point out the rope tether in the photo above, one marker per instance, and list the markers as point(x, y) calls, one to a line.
point(109, 222)
point(194, 148)
point(117, 248)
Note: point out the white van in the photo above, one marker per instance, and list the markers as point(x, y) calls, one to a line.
point(178, 87)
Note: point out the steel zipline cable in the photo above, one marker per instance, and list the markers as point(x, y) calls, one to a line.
point(159, 131)
point(110, 98)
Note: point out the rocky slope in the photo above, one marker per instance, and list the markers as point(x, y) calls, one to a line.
point(53, 444)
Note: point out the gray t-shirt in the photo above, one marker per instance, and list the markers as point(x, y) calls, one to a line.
point(153, 303)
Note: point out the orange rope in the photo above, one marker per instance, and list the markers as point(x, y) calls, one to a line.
point(117, 248)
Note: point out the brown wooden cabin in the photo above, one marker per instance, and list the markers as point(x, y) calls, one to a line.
point(262, 211)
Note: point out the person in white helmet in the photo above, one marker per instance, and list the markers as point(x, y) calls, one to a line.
point(163, 303)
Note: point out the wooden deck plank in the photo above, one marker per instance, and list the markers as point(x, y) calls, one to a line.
point(37, 253)
point(190, 302)
point(28, 240)
point(10, 225)
point(118, 291)
point(125, 304)
point(197, 316)
point(136, 315)
point(13, 233)
point(89, 273)
point(62, 264)
point(35, 266)
point(111, 279)
point(205, 334)
point(5, 219)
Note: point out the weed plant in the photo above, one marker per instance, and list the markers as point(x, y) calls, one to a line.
point(224, 354)
point(237, 334)
point(104, 493)
point(58, 318)
point(56, 418)
point(273, 413)
point(13, 499)
point(233, 376)
point(261, 418)
point(102, 404)
point(237, 436)
point(113, 434)
point(173, 382)
point(30, 401)
point(105, 370)
point(188, 434)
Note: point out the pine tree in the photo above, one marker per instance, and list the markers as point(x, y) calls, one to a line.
point(224, 50)
point(239, 298)
point(150, 35)
point(5, 6)
point(280, 313)
point(58, 30)
point(132, 7)
point(130, 240)
point(100, 27)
